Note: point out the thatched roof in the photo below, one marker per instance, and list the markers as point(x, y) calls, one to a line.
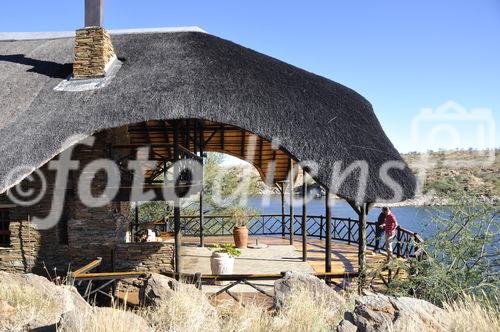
point(188, 75)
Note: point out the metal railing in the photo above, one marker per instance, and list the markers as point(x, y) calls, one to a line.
point(343, 229)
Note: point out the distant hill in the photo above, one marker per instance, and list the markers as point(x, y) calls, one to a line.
point(465, 170)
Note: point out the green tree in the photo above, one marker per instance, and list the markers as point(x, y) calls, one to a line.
point(460, 257)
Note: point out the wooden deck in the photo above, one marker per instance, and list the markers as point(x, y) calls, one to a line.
point(344, 256)
point(344, 259)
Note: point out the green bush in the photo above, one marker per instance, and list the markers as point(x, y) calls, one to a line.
point(461, 257)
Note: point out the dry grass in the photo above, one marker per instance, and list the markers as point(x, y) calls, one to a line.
point(469, 315)
point(190, 310)
point(30, 305)
point(103, 320)
point(187, 310)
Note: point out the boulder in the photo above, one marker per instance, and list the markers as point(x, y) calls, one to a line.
point(37, 302)
point(346, 326)
point(377, 312)
point(294, 281)
point(157, 288)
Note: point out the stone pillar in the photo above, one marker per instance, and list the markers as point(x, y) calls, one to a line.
point(93, 52)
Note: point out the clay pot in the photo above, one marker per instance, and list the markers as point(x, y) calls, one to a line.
point(240, 234)
point(221, 263)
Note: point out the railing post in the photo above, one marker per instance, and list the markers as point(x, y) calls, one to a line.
point(335, 229)
point(349, 229)
point(398, 237)
point(321, 227)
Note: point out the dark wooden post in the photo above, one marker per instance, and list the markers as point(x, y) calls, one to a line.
point(362, 247)
point(304, 216)
point(197, 280)
point(362, 211)
point(328, 234)
point(136, 223)
point(177, 209)
point(291, 200)
point(283, 221)
point(202, 216)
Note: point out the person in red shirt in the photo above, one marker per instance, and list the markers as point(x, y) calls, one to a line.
point(389, 225)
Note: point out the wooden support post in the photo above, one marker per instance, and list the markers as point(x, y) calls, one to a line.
point(362, 247)
point(363, 216)
point(197, 280)
point(328, 234)
point(283, 222)
point(202, 216)
point(177, 209)
point(304, 216)
point(136, 223)
point(290, 161)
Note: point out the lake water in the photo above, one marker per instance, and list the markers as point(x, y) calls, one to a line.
point(411, 218)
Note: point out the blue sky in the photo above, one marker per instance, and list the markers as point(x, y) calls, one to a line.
point(401, 55)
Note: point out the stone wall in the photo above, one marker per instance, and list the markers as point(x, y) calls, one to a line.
point(93, 51)
point(147, 257)
point(91, 232)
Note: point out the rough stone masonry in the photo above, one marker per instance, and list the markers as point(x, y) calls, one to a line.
point(93, 52)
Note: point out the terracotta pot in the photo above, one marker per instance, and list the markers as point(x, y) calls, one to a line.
point(240, 234)
point(221, 264)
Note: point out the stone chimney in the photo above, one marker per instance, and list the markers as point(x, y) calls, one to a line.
point(93, 48)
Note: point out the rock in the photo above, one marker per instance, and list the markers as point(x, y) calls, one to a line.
point(157, 288)
point(42, 302)
point(294, 281)
point(346, 326)
point(377, 312)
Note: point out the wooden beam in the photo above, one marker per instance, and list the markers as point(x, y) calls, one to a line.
point(354, 206)
point(210, 137)
point(222, 137)
point(140, 145)
point(242, 147)
point(260, 151)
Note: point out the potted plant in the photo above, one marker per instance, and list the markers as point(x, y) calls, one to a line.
point(222, 259)
point(240, 217)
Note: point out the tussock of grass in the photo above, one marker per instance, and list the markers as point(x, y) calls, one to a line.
point(302, 311)
point(469, 315)
point(31, 305)
point(190, 310)
point(103, 320)
point(187, 310)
